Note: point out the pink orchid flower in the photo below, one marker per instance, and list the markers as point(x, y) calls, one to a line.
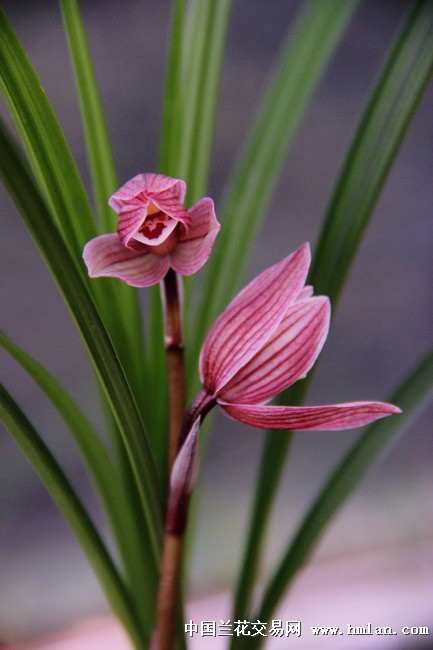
point(155, 233)
point(269, 337)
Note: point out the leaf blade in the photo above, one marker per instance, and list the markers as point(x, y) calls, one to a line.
point(74, 512)
point(59, 181)
point(303, 58)
point(129, 340)
point(399, 75)
point(100, 466)
point(413, 395)
point(95, 337)
point(376, 143)
point(45, 145)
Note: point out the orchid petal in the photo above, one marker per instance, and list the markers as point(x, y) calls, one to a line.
point(194, 248)
point(288, 355)
point(170, 205)
point(105, 256)
point(306, 292)
point(310, 418)
point(131, 218)
point(143, 195)
point(150, 184)
point(251, 319)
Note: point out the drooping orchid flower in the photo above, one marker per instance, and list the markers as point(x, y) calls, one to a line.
point(269, 337)
point(155, 233)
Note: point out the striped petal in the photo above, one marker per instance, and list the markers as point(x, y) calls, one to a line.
point(168, 203)
point(150, 184)
point(194, 248)
point(286, 357)
point(251, 319)
point(131, 218)
point(105, 256)
point(310, 418)
point(306, 292)
point(144, 195)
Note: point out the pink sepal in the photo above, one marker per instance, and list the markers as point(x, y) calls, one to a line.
point(288, 355)
point(133, 202)
point(306, 292)
point(310, 418)
point(194, 247)
point(251, 319)
point(105, 256)
point(150, 184)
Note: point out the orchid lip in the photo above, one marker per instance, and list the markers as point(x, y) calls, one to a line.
point(155, 229)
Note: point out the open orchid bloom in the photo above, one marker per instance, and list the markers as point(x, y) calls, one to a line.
point(269, 337)
point(155, 232)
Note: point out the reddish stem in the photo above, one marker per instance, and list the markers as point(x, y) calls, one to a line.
point(179, 427)
point(172, 300)
point(169, 583)
point(171, 568)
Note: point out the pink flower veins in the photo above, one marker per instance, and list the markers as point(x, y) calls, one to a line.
point(269, 337)
point(155, 232)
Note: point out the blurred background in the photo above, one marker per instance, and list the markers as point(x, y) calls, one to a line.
point(375, 562)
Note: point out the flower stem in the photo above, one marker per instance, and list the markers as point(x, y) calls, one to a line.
point(167, 607)
point(171, 289)
point(171, 568)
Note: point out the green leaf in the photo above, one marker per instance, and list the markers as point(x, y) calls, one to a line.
point(104, 180)
point(386, 119)
point(159, 383)
point(171, 131)
point(302, 61)
point(89, 324)
point(100, 466)
point(394, 100)
point(276, 448)
point(75, 514)
point(63, 190)
point(91, 448)
point(43, 140)
point(414, 395)
point(98, 144)
point(204, 50)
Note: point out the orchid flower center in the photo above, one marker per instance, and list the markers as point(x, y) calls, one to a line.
point(158, 231)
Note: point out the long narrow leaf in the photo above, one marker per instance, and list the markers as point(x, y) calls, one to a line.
point(193, 61)
point(376, 144)
point(91, 328)
point(276, 448)
point(92, 449)
point(74, 512)
point(158, 363)
point(101, 468)
point(172, 113)
point(171, 134)
point(104, 183)
point(61, 185)
point(200, 119)
point(414, 394)
point(302, 61)
point(98, 145)
point(44, 142)
point(405, 75)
